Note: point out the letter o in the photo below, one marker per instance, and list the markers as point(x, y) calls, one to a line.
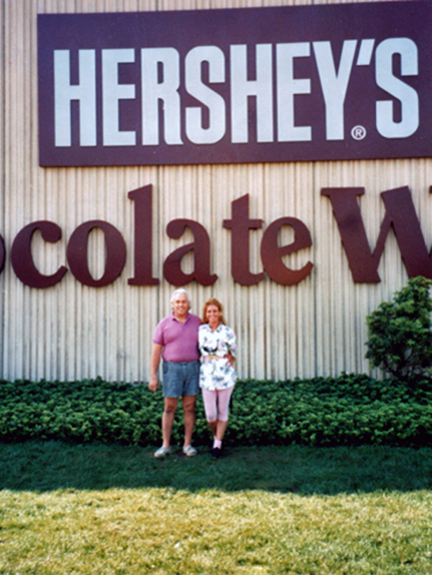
point(76, 253)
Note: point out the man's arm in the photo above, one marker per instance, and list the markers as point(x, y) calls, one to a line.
point(154, 364)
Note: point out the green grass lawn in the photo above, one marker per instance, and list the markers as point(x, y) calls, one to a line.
point(99, 509)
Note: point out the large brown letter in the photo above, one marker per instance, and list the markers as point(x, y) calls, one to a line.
point(2, 254)
point(142, 198)
point(201, 248)
point(271, 252)
point(21, 257)
point(400, 213)
point(240, 224)
point(115, 253)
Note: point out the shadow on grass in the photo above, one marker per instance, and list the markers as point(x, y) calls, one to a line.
point(48, 466)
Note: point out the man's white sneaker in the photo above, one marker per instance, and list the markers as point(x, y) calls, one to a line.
point(162, 452)
point(189, 451)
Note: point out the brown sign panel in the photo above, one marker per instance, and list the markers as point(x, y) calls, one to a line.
point(327, 82)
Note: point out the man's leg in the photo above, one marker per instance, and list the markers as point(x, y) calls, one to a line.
point(188, 402)
point(170, 406)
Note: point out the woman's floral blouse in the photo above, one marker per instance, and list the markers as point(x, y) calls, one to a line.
point(215, 371)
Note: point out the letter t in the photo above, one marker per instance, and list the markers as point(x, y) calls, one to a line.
point(240, 224)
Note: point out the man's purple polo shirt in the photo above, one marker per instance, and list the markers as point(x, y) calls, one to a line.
point(180, 340)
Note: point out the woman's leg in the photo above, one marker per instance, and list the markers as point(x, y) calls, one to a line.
point(223, 397)
point(210, 408)
point(220, 429)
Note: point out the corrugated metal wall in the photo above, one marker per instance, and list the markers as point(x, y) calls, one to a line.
point(72, 331)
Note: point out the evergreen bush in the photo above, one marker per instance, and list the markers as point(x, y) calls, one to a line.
point(400, 336)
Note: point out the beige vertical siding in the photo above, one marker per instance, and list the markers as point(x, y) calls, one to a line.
point(72, 331)
point(2, 164)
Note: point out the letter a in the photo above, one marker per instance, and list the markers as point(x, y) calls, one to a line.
point(201, 248)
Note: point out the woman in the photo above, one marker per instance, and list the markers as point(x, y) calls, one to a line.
point(218, 347)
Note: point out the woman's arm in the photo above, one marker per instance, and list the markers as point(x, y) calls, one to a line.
point(231, 343)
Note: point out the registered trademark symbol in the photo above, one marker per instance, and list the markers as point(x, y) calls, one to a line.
point(358, 132)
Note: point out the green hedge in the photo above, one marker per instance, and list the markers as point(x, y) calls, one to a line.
point(348, 410)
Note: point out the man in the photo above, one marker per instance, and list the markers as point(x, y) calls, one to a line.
point(176, 340)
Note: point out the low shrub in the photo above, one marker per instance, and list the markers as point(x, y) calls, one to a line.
point(348, 410)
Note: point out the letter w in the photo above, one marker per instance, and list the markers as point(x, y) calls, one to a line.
point(400, 213)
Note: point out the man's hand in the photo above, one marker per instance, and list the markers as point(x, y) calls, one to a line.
point(230, 359)
point(153, 383)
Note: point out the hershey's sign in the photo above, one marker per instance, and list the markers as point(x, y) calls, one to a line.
point(327, 82)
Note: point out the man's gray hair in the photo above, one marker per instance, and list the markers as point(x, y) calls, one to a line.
point(178, 291)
